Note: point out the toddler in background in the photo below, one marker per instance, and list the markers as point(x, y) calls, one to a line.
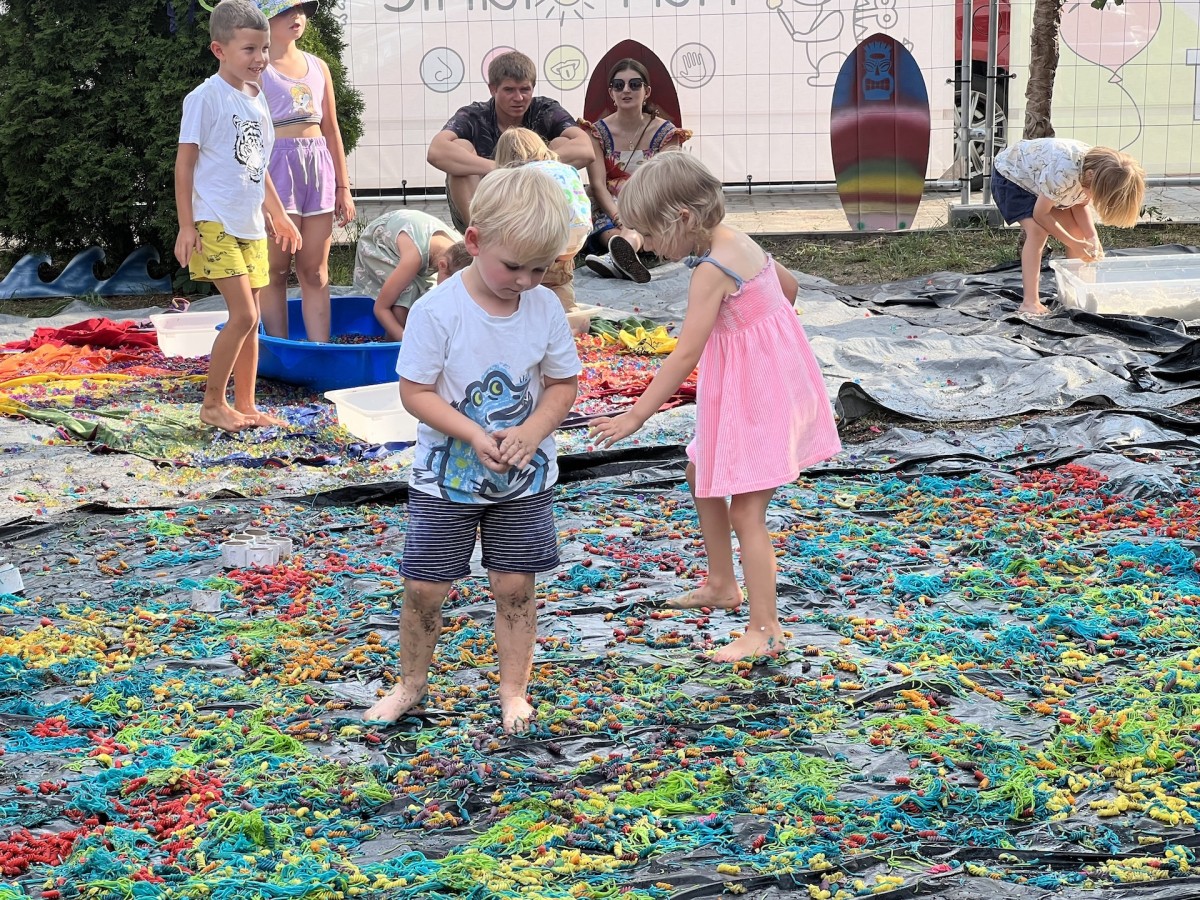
point(1047, 186)
point(400, 256)
point(521, 146)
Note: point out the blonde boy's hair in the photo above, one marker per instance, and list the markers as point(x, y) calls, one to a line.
point(511, 66)
point(520, 145)
point(665, 185)
point(457, 257)
point(1117, 184)
point(230, 15)
point(526, 210)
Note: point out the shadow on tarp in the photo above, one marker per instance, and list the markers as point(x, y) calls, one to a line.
point(571, 468)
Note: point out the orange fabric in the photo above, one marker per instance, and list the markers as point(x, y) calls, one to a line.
point(72, 360)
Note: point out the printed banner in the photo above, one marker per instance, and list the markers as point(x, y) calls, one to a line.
point(754, 78)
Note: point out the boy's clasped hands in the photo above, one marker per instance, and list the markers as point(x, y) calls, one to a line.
point(505, 449)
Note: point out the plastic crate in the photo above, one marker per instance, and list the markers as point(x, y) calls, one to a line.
point(188, 334)
point(327, 367)
point(1167, 285)
point(373, 413)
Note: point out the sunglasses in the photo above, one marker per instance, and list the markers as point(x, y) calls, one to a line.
point(635, 84)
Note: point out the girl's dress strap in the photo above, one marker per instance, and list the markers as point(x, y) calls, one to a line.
point(692, 261)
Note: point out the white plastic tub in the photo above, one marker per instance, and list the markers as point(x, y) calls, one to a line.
point(188, 334)
point(10, 579)
point(1167, 285)
point(373, 413)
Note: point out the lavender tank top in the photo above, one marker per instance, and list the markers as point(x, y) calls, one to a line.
point(295, 101)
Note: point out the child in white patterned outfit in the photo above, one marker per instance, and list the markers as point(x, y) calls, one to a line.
point(400, 257)
point(1047, 185)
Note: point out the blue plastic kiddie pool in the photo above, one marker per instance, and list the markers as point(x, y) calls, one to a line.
point(328, 367)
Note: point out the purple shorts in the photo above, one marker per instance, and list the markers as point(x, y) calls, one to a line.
point(302, 172)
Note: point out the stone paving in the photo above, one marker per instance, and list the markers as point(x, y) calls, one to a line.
point(767, 212)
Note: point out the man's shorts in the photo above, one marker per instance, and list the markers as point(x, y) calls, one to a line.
point(225, 256)
point(456, 217)
point(1012, 201)
point(518, 536)
point(302, 172)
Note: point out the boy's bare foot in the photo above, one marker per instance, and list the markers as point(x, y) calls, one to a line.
point(399, 700)
point(224, 417)
point(1035, 309)
point(260, 419)
point(515, 714)
point(753, 643)
point(706, 596)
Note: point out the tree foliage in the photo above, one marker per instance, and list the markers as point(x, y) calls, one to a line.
point(90, 100)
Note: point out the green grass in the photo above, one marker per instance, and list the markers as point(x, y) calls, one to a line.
point(876, 260)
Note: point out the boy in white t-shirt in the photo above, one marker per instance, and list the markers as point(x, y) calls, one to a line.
point(224, 195)
point(489, 367)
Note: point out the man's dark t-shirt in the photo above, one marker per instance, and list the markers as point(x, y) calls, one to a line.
point(476, 122)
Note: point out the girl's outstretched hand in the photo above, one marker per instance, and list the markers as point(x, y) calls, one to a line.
point(608, 430)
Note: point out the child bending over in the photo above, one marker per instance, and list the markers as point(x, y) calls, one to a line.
point(226, 201)
point(1047, 185)
point(762, 414)
point(490, 369)
point(401, 256)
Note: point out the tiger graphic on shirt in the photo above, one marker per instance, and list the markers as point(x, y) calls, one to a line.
point(249, 148)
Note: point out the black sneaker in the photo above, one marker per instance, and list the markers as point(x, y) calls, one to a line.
point(602, 265)
point(626, 260)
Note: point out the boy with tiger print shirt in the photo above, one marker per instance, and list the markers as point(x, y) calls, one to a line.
point(226, 204)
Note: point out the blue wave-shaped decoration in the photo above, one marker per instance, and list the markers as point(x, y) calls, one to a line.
point(79, 277)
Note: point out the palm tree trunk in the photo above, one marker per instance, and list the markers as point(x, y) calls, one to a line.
point(1043, 63)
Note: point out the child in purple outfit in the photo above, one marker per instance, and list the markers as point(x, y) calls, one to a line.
point(308, 167)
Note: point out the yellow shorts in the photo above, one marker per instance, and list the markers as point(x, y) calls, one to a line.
point(225, 256)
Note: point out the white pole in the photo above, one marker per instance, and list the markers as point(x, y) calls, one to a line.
point(964, 102)
point(989, 106)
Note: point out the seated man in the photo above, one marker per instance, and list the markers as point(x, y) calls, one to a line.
point(466, 145)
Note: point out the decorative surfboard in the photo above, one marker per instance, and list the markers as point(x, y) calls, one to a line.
point(879, 135)
point(596, 102)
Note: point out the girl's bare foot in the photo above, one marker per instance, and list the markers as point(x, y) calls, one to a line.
point(754, 643)
point(224, 417)
point(260, 419)
point(515, 714)
point(399, 700)
point(1036, 309)
point(706, 596)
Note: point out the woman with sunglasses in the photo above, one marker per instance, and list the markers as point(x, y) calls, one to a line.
point(622, 141)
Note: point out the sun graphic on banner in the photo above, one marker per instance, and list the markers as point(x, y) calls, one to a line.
point(562, 7)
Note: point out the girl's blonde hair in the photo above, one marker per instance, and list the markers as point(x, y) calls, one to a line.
point(665, 185)
point(1117, 184)
point(520, 145)
point(524, 209)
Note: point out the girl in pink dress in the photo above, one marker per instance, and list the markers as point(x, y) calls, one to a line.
point(762, 414)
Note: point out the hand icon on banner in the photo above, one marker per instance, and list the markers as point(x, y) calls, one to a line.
point(692, 70)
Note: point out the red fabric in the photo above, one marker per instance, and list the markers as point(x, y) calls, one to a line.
point(98, 332)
